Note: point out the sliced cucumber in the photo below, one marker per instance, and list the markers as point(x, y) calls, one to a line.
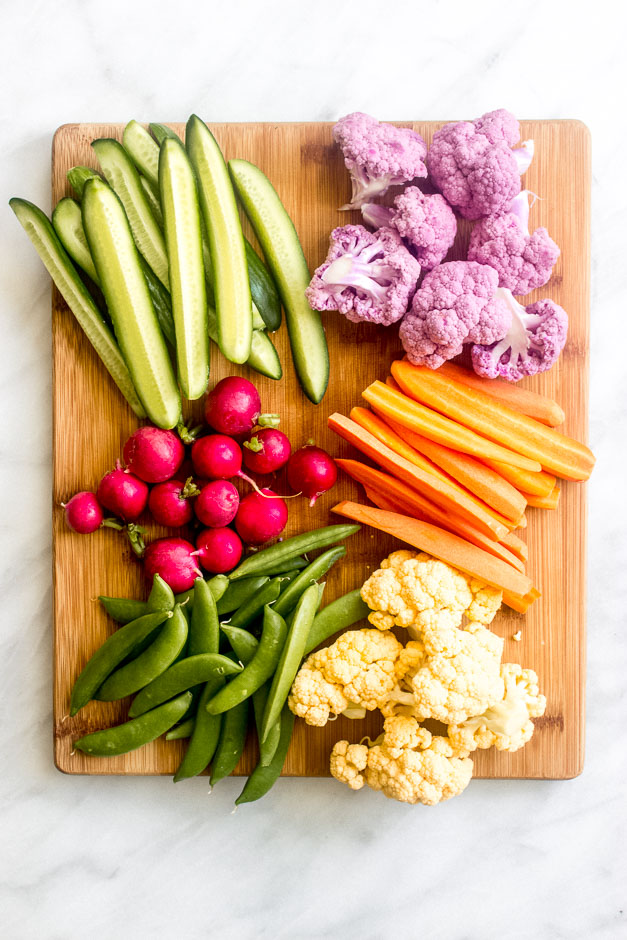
point(124, 286)
point(153, 201)
point(124, 180)
point(258, 321)
point(262, 288)
point(263, 356)
point(161, 301)
point(41, 233)
point(68, 224)
point(283, 252)
point(181, 215)
point(226, 242)
point(161, 131)
point(77, 176)
point(143, 151)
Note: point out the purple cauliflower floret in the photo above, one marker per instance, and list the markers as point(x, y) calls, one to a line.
point(378, 155)
point(456, 304)
point(473, 165)
point(426, 223)
point(369, 277)
point(532, 344)
point(523, 261)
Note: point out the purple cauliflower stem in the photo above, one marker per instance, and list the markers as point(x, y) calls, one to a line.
point(426, 223)
point(367, 277)
point(474, 166)
point(532, 344)
point(378, 155)
point(457, 303)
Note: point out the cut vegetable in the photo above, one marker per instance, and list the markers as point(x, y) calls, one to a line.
point(143, 151)
point(537, 484)
point(443, 494)
point(226, 243)
point(392, 437)
point(153, 201)
point(263, 289)
point(128, 299)
point(520, 399)
point(181, 216)
point(67, 279)
point(68, 224)
point(263, 356)
point(545, 502)
point(161, 131)
point(77, 176)
point(284, 255)
point(124, 180)
point(402, 409)
point(554, 451)
point(521, 604)
point(443, 545)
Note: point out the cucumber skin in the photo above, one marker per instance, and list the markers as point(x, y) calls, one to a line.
point(161, 131)
point(306, 333)
point(160, 395)
point(262, 289)
point(68, 209)
point(90, 321)
point(147, 162)
point(264, 357)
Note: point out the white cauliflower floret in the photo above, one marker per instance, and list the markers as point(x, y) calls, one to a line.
point(420, 593)
point(347, 760)
point(455, 676)
point(407, 763)
point(354, 674)
point(507, 724)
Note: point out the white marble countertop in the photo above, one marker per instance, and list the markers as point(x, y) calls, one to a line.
point(103, 858)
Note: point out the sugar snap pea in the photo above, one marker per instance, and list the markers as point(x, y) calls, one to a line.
point(264, 777)
point(184, 730)
point(291, 656)
point(217, 585)
point(339, 614)
point(318, 567)
point(231, 743)
point(125, 609)
point(243, 643)
point(204, 630)
point(110, 654)
point(248, 611)
point(239, 592)
point(205, 735)
point(281, 552)
point(268, 747)
point(181, 677)
point(136, 732)
point(260, 667)
point(149, 664)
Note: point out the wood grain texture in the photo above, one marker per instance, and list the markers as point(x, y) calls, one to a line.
point(91, 422)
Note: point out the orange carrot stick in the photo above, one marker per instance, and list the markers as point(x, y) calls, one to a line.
point(443, 494)
point(545, 502)
point(443, 545)
point(474, 475)
point(387, 435)
point(555, 452)
point(538, 484)
point(408, 412)
point(516, 546)
point(521, 604)
point(520, 399)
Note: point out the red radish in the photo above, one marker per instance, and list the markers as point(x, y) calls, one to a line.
point(218, 550)
point(216, 457)
point(83, 513)
point(173, 559)
point(154, 455)
point(311, 471)
point(261, 516)
point(217, 504)
point(233, 406)
point(123, 494)
point(266, 450)
point(170, 502)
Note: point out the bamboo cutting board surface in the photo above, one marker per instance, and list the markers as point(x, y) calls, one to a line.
point(92, 421)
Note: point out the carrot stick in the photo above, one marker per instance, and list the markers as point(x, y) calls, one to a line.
point(443, 545)
point(406, 411)
point(516, 546)
point(521, 604)
point(475, 476)
point(379, 493)
point(520, 399)
point(555, 452)
point(387, 435)
point(442, 493)
point(538, 484)
point(545, 502)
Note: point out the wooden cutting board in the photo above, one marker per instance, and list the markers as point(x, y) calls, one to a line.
point(92, 421)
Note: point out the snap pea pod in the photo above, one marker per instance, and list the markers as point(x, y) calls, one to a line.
point(318, 567)
point(267, 748)
point(149, 664)
point(136, 732)
point(110, 654)
point(243, 643)
point(291, 656)
point(182, 677)
point(231, 743)
point(263, 776)
point(336, 616)
point(205, 735)
point(281, 552)
point(260, 667)
point(217, 585)
point(184, 730)
point(239, 592)
point(204, 630)
point(125, 609)
point(272, 569)
point(248, 611)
